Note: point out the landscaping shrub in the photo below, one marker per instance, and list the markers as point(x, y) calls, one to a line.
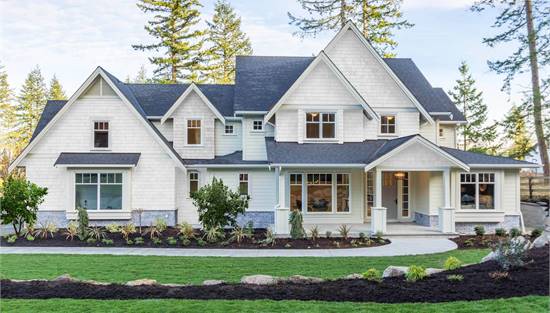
point(344, 231)
point(249, 229)
point(536, 233)
point(127, 230)
point(11, 239)
point(112, 228)
point(416, 273)
point(171, 241)
point(45, 229)
point(96, 233)
point(514, 232)
point(362, 236)
point(29, 238)
point(510, 253)
point(479, 230)
point(139, 241)
point(314, 233)
point(501, 232)
point(82, 223)
point(91, 240)
point(469, 242)
point(71, 231)
point(372, 274)
point(296, 225)
point(328, 233)
point(452, 263)
point(154, 231)
point(238, 234)
point(107, 242)
point(160, 224)
point(217, 205)
point(20, 200)
point(185, 230)
point(157, 241)
point(214, 234)
point(269, 238)
point(456, 278)
point(200, 242)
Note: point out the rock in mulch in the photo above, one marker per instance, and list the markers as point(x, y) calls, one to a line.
point(395, 271)
point(65, 278)
point(142, 282)
point(431, 271)
point(259, 280)
point(212, 282)
point(299, 279)
point(354, 276)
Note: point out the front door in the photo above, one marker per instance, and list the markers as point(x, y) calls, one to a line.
point(390, 195)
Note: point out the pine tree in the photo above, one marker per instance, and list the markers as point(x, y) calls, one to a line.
point(31, 102)
point(7, 116)
point(477, 136)
point(377, 19)
point(142, 77)
point(227, 40)
point(515, 129)
point(174, 26)
point(56, 91)
point(526, 23)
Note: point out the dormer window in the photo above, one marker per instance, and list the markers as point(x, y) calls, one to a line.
point(320, 125)
point(387, 124)
point(193, 132)
point(101, 134)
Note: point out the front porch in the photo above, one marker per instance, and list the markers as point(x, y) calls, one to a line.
point(392, 229)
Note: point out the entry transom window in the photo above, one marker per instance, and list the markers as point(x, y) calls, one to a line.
point(243, 184)
point(98, 191)
point(477, 191)
point(320, 125)
point(387, 124)
point(229, 130)
point(257, 125)
point(101, 134)
point(193, 132)
point(193, 182)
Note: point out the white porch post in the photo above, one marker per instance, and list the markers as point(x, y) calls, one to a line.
point(378, 218)
point(281, 211)
point(447, 213)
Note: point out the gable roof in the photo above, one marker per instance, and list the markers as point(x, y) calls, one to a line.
point(192, 88)
point(475, 159)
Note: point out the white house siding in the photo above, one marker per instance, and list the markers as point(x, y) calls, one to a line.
point(420, 191)
point(510, 192)
point(253, 141)
point(407, 120)
point(415, 156)
point(354, 121)
point(166, 129)
point(449, 136)
point(436, 192)
point(73, 133)
point(366, 74)
point(194, 108)
point(428, 131)
point(226, 144)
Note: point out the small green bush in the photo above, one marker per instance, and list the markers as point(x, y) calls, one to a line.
point(415, 273)
point(157, 241)
point(171, 241)
point(129, 242)
point(185, 242)
point(82, 223)
point(452, 263)
point(139, 241)
point(201, 243)
point(536, 233)
point(479, 230)
point(113, 228)
point(296, 225)
point(91, 240)
point(362, 236)
point(11, 239)
point(469, 242)
point(372, 274)
point(30, 237)
point(314, 233)
point(108, 242)
point(501, 232)
point(514, 232)
point(344, 231)
point(455, 278)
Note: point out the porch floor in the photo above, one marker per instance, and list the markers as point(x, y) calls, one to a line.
point(392, 229)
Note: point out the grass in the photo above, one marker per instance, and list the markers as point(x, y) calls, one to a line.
point(533, 304)
point(110, 268)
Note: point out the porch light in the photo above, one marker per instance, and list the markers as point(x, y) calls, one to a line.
point(399, 175)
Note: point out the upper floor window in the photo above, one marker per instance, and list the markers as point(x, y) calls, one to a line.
point(101, 134)
point(477, 191)
point(229, 130)
point(320, 125)
point(193, 182)
point(441, 132)
point(193, 132)
point(387, 124)
point(258, 125)
point(243, 184)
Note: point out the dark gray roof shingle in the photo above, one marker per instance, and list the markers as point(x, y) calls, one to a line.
point(50, 110)
point(232, 158)
point(480, 158)
point(97, 158)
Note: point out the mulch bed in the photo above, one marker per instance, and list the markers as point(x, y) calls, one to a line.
point(531, 279)
point(477, 242)
point(59, 240)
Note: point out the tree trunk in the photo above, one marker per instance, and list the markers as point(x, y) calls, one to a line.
point(343, 7)
point(535, 82)
point(365, 10)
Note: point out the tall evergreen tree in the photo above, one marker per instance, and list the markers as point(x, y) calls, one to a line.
point(377, 19)
point(56, 91)
point(7, 119)
point(515, 130)
point(226, 40)
point(527, 24)
point(174, 26)
point(31, 102)
point(142, 76)
point(477, 136)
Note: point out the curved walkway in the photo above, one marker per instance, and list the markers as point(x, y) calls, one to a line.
point(398, 246)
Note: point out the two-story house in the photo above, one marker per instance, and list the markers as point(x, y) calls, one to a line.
point(345, 137)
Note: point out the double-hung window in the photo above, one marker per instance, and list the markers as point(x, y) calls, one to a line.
point(193, 182)
point(193, 132)
point(477, 191)
point(243, 184)
point(387, 124)
point(101, 134)
point(98, 191)
point(320, 125)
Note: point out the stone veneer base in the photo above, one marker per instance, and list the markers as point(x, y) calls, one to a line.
point(147, 217)
point(510, 221)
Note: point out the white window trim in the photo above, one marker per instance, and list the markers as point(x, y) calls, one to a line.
point(321, 138)
point(98, 184)
point(257, 130)
point(496, 194)
point(100, 120)
point(233, 133)
point(185, 121)
point(380, 133)
point(334, 193)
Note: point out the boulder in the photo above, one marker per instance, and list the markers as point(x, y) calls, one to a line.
point(354, 276)
point(142, 282)
point(431, 271)
point(544, 238)
point(65, 278)
point(259, 280)
point(489, 257)
point(299, 279)
point(97, 283)
point(212, 282)
point(395, 271)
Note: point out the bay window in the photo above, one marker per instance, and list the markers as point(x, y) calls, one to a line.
point(320, 125)
point(477, 191)
point(98, 191)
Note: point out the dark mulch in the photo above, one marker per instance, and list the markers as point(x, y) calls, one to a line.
point(476, 242)
point(59, 240)
point(477, 284)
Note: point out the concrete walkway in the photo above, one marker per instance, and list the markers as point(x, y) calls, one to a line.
point(399, 246)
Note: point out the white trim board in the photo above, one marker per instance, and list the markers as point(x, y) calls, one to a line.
point(184, 95)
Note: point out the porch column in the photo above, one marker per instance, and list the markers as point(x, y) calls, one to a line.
point(447, 213)
point(378, 214)
point(281, 211)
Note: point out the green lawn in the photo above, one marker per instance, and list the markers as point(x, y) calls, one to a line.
point(110, 268)
point(516, 305)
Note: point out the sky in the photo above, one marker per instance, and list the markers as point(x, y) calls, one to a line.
point(71, 38)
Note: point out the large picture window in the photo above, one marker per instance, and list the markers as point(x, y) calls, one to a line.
point(320, 125)
point(98, 191)
point(193, 132)
point(477, 191)
point(319, 192)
